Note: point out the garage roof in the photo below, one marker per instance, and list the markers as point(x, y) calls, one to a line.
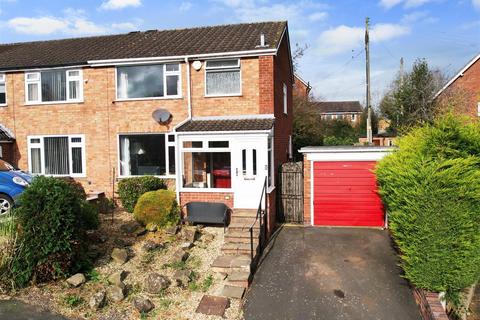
point(5, 134)
point(340, 149)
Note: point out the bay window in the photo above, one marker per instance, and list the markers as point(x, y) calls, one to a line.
point(206, 165)
point(147, 154)
point(148, 81)
point(57, 85)
point(57, 155)
point(222, 77)
point(3, 89)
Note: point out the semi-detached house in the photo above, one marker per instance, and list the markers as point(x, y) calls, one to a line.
point(209, 109)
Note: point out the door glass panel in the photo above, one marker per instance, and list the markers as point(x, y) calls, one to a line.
point(244, 161)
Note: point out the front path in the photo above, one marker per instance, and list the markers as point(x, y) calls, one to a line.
point(330, 273)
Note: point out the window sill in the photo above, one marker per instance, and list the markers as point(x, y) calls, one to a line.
point(53, 103)
point(3, 105)
point(207, 190)
point(222, 95)
point(152, 98)
point(136, 176)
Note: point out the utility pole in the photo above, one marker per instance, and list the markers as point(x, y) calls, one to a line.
point(402, 77)
point(369, 106)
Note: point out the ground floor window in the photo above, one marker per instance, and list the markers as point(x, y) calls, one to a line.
point(147, 154)
point(206, 164)
point(57, 155)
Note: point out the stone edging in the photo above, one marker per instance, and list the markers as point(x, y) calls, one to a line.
point(431, 307)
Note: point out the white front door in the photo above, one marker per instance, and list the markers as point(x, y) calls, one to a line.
point(249, 169)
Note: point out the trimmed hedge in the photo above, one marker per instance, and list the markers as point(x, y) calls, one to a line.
point(431, 189)
point(130, 189)
point(51, 237)
point(157, 207)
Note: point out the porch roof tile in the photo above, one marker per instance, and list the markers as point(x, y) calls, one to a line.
point(227, 125)
point(5, 134)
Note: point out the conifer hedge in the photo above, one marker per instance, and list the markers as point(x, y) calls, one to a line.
point(431, 189)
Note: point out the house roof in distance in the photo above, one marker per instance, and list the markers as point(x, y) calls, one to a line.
point(338, 106)
point(247, 124)
point(148, 44)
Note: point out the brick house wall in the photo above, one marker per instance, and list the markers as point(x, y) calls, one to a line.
point(300, 90)
point(465, 90)
point(7, 153)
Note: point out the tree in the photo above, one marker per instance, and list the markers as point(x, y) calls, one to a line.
point(410, 100)
point(306, 128)
point(362, 125)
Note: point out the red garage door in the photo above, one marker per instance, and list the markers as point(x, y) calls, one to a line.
point(345, 194)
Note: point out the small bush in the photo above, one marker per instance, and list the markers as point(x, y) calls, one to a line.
point(51, 238)
point(157, 207)
point(431, 189)
point(90, 216)
point(130, 189)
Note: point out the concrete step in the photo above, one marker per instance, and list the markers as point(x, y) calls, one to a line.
point(233, 292)
point(228, 264)
point(239, 279)
point(241, 236)
point(239, 249)
point(252, 213)
point(243, 227)
point(245, 220)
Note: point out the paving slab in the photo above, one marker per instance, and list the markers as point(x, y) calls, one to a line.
point(212, 305)
point(330, 273)
point(233, 292)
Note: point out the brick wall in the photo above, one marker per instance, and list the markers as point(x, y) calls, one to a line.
point(465, 91)
point(430, 306)
point(306, 190)
point(223, 197)
point(7, 153)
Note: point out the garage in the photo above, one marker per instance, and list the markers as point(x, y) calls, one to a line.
point(341, 188)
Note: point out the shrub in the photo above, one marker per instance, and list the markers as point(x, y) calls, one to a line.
point(431, 189)
point(158, 207)
point(50, 241)
point(90, 216)
point(130, 189)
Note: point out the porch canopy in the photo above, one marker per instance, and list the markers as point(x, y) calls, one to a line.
point(5, 134)
point(227, 124)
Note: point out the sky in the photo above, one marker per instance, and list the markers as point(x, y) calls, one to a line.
point(444, 32)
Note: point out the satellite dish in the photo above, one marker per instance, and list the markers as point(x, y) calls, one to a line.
point(197, 65)
point(162, 116)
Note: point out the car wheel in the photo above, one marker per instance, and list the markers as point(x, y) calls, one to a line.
point(6, 203)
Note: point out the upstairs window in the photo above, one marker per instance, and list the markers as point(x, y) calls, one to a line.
point(148, 81)
point(222, 78)
point(3, 89)
point(285, 100)
point(53, 86)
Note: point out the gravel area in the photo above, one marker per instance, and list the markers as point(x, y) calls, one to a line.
point(173, 303)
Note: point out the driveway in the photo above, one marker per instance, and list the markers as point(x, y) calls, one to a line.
point(330, 273)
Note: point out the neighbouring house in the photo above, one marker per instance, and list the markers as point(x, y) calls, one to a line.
point(464, 87)
point(348, 110)
point(209, 109)
point(380, 139)
point(301, 88)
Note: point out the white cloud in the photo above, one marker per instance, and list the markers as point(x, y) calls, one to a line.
point(318, 16)
point(119, 4)
point(476, 4)
point(344, 38)
point(37, 26)
point(388, 4)
point(74, 22)
point(185, 6)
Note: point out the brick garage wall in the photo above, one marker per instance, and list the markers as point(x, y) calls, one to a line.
point(430, 306)
point(307, 192)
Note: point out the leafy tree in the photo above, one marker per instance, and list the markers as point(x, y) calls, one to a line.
point(362, 125)
point(306, 128)
point(410, 100)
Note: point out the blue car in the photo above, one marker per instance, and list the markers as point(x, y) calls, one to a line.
point(12, 183)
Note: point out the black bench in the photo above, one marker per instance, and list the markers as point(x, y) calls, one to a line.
point(206, 213)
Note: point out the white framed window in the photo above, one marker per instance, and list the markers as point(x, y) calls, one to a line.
point(54, 86)
point(478, 109)
point(223, 78)
point(354, 117)
point(149, 81)
point(285, 98)
point(206, 164)
point(271, 173)
point(57, 155)
point(146, 154)
point(3, 89)
point(290, 147)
